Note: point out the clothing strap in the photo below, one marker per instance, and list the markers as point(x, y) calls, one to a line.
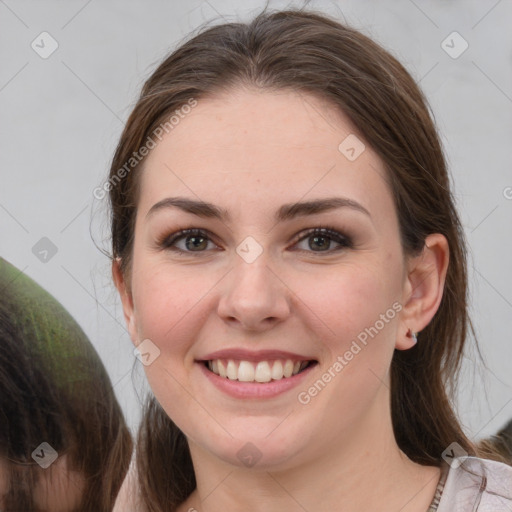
point(439, 489)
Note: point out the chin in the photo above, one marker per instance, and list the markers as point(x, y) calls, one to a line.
point(258, 446)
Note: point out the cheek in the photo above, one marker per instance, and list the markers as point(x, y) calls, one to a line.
point(168, 310)
point(359, 308)
point(350, 298)
point(165, 300)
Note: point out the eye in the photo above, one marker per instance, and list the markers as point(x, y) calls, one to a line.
point(196, 240)
point(322, 238)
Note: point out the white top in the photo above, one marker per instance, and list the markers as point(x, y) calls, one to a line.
point(477, 485)
point(472, 485)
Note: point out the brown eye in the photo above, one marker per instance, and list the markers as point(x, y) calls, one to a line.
point(187, 241)
point(321, 240)
point(190, 241)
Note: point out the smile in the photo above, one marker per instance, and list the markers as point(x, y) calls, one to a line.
point(256, 374)
point(256, 371)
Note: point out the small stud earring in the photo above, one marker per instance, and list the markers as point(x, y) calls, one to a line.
point(413, 335)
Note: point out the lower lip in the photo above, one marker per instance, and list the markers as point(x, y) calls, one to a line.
point(239, 389)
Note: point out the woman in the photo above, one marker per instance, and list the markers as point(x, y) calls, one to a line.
point(64, 444)
point(292, 271)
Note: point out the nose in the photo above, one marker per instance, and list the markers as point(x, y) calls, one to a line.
point(255, 297)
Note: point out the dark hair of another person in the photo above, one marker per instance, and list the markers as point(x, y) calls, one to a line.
point(54, 389)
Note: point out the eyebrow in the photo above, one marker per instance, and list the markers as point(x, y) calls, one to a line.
point(285, 212)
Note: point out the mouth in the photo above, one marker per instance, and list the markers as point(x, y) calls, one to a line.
point(262, 371)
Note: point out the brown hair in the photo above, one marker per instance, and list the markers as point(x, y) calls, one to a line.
point(310, 53)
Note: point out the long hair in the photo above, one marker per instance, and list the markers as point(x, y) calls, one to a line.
point(54, 389)
point(309, 53)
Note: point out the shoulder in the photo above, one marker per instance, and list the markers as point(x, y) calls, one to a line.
point(477, 485)
point(128, 499)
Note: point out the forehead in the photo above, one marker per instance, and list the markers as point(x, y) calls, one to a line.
point(250, 146)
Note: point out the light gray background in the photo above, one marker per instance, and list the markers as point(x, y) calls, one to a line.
point(61, 118)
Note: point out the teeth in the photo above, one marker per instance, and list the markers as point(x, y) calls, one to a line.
point(232, 370)
point(288, 368)
point(222, 369)
point(277, 370)
point(245, 372)
point(263, 371)
point(303, 365)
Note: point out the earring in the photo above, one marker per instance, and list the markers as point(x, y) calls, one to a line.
point(413, 335)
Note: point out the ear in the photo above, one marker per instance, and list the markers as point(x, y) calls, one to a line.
point(423, 288)
point(124, 291)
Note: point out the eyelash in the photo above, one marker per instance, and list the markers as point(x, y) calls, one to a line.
point(331, 233)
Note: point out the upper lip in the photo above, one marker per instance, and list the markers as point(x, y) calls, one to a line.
point(253, 355)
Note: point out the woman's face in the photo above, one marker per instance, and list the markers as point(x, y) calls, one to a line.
point(257, 288)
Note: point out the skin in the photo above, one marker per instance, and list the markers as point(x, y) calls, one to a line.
point(250, 152)
point(58, 488)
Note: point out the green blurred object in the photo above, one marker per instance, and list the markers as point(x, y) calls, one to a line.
point(51, 333)
point(54, 389)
